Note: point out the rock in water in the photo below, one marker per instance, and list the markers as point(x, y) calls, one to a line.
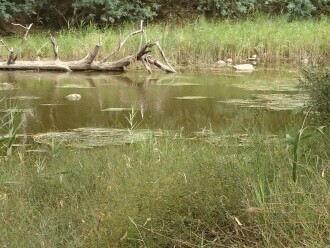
point(253, 58)
point(73, 97)
point(244, 67)
point(221, 63)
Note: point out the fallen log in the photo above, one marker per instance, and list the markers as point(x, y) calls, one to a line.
point(88, 63)
point(119, 66)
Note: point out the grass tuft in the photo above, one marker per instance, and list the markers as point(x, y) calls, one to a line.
point(169, 192)
point(200, 42)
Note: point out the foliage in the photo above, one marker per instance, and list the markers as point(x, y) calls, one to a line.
point(316, 81)
point(223, 8)
point(10, 123)
point(168, 192)
point(60, 13)
point(105, 11)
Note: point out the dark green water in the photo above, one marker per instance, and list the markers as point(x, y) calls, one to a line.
point(191, 101)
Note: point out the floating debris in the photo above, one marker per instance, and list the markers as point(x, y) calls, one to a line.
point(270, 102)
point(264, 85)
point(6, 86)
point(13, 110)
point(25, 98)
point(116, 109)
point(96, 137)
point(192, 97)
point(52, 104)
point(75, 86)
point(178, 84)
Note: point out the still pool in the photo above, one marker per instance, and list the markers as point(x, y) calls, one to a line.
point(191, 101)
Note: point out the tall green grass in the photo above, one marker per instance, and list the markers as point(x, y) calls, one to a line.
point(169, 193)
point(10, 123)
point(199, 42)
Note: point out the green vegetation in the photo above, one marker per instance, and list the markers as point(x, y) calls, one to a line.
point(174, 191)
point(200, 42)
point(316, 81)
point(169, 192)
point(47, 13)
point(10, 122)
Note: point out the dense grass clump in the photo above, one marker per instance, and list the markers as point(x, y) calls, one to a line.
point(169, 193)
point(316, 82)
point(196, 43)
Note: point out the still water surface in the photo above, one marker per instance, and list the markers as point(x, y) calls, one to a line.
point(189, 101)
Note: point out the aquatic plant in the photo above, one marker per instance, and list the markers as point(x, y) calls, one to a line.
point(10, 122)
point(131, 118)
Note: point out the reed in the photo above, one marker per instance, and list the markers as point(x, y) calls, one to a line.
point(272, 39)
point(169, 192)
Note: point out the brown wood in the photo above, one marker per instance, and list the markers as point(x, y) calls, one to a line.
point(88, 63)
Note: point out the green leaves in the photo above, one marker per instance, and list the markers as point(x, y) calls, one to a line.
point(10, 123)
point(108, 12)
point(316, 82)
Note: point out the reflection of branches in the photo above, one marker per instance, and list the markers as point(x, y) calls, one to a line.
point(99, 98)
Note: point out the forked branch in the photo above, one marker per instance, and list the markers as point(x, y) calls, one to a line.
point(164, 57)
point(88, 63)
point(121, 44)
point(24, 39)
point(10, 50)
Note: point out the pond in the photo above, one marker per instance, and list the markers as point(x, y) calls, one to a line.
point(192, 101)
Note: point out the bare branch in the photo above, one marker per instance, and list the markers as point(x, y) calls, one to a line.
point(55, 46)
point(39, 50)
point(91, 56)
point(143, 50)
point(121, 44)
point(146, 64)
point(10, 50)
point(19, 49)
point(5, 46)
point(163, 55)
point(160, 65)
point(17, 24)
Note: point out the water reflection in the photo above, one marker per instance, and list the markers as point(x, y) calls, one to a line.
point(192, 101)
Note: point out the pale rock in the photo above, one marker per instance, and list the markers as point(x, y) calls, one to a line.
point(244, 67)
point(253, 58)
point(304, 61)
point(73, 97)
point(229, 61)
point(221, 63)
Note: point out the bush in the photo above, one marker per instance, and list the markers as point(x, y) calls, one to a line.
point(60, 13)
point(316, 82)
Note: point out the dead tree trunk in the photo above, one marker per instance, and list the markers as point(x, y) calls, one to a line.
point(88, 63)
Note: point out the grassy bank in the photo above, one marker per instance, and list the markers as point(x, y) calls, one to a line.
point(201, 42)
point(170, 193)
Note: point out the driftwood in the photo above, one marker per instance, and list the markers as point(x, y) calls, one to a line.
point(88, 63)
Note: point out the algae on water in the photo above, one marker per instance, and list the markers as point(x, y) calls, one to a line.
point(96, 137)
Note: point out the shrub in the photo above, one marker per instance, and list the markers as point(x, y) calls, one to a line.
point(316, 82)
